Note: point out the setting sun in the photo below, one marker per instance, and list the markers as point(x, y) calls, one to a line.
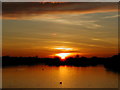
point(63, 55)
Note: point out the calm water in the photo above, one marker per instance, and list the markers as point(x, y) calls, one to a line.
point(41, 76)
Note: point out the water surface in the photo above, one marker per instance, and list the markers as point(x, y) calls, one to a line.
point(42, 76)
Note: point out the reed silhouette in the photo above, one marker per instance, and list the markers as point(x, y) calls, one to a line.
point(110, 63)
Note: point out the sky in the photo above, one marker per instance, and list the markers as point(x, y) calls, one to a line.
point(51, 29)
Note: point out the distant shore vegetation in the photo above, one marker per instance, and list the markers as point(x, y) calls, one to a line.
point(110, 63)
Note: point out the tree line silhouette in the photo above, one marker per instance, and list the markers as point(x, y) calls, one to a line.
point(110, 63)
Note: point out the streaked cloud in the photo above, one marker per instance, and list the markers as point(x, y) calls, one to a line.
point(114, 16)
point(96, 39)
point(90, 24)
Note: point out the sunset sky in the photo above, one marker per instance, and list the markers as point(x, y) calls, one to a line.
point(49, 29)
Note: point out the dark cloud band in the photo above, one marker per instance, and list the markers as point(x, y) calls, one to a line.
point(23, 9)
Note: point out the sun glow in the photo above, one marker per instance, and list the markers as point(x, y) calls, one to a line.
point(64, 49)
point(63, 55)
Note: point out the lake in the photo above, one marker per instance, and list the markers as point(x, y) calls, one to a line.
point(43, 76)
